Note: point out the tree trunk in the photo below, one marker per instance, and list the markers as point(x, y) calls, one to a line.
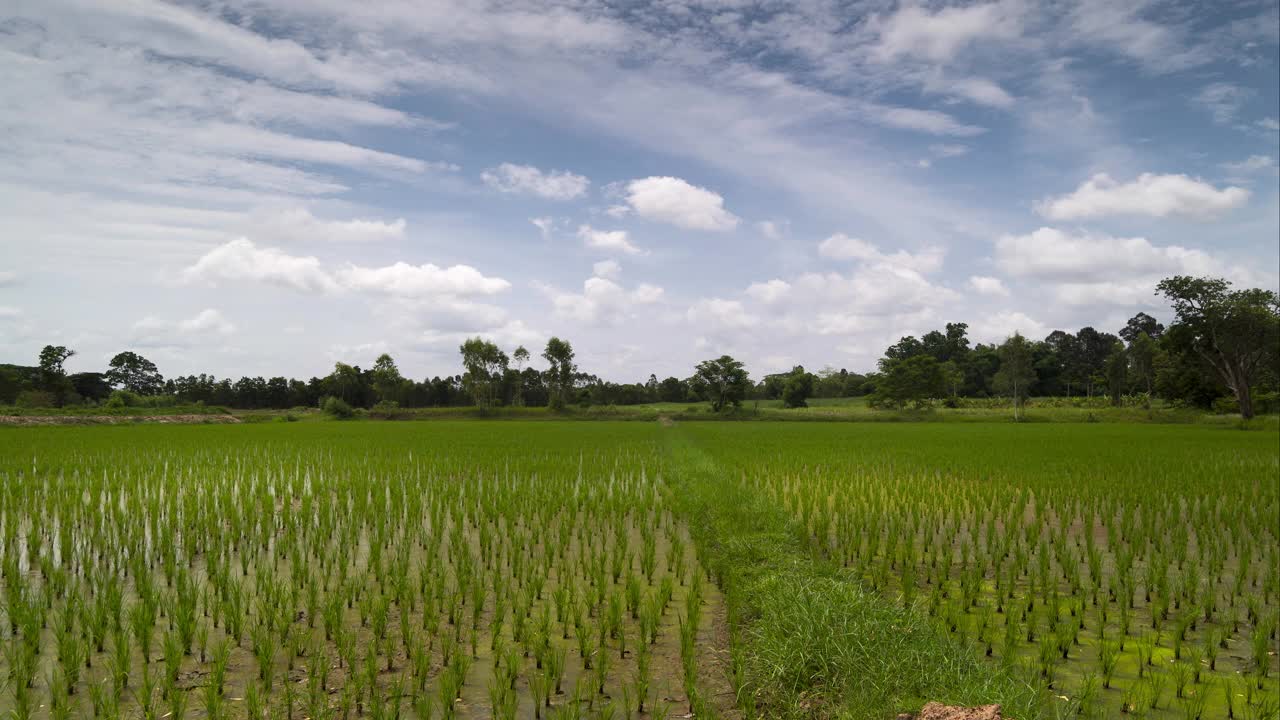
point(1245, 399)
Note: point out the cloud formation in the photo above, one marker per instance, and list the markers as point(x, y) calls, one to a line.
point(529, 180)
point(1150, 194)
point(242, 260)
point(676, 202)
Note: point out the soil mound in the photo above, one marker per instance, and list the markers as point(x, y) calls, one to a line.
point(938, 711)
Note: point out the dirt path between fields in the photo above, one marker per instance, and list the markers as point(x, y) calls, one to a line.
point(115, 419)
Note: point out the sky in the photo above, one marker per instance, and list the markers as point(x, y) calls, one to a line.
point(266, 187)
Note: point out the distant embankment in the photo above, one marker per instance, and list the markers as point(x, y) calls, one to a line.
point(114, 419)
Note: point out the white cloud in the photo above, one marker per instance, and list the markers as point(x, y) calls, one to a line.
point(1053, 254)
point(420, 280)
point(948, 150)
point(769, 292)
point(843, 247)
point(300, 225)
point(773, 229)
point(8, 278)
point(674, 201)
point(984, 285)
point(1269, 123)
point(529, 180)
point(927, 121)
point(8, 312)
point(614, 240)
point(1223, 100)
point(1150, 194)
point(602, 301)
point(997, 327)
point(1253, 163)
point(981, 91)
point(914, 31)
point(719, 314)
point(206, 325)
point(240, 260)
point(609, 269)
point(544, 225)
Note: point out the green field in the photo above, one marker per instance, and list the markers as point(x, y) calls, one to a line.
point(638, 569)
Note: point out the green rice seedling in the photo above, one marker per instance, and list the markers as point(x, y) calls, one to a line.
point(1109, 658)
point(1156, 684)
point(1193, 706)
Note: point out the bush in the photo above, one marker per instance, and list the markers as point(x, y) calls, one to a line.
point(1226, 406)
point(122, 398)
point(35, 399)
point(337, 407)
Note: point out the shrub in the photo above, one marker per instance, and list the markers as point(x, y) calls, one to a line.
point(35, 399)
point(337, 407)
point(122, 398)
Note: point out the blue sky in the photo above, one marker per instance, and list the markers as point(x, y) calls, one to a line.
point(268, 186)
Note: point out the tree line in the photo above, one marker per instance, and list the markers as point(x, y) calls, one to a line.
point(1223, 347)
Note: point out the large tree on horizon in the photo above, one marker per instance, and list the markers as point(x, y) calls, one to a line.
point(132, 372)
point(1235, 331)
point(723, 381)
point(561, 372)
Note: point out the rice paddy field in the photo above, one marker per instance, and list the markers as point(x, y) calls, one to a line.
point(514, 569)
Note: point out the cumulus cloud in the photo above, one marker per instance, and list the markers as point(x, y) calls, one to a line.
point(529, 180)
point(420, 280)
point(676, 202)
point(611, 240)
point(720, 314)
point(1050, 253)
point(843, 247)
point(1151, 195)
point(602, 301)
point(998, 326)
point(984, 285)
point(206, 325)
point(241, 260)
point(769, 292)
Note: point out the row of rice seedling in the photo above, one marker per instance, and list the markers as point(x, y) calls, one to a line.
point(1130, 571)
point(420, 572)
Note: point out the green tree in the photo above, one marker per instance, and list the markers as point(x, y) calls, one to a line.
point(1139, 324)
point(1235, 331)
point(722, 381)
point(913, 379)
point(953, 376)
point(344, 383)
point(1017, 371)
point(130, 371)
point(560, 373)
point(797, 387)
point(1116, 369)
point(51, 375)
point(387, 379)
point(10, 386)
point(485, 365)
point(519, 357)
point(1142, 360)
